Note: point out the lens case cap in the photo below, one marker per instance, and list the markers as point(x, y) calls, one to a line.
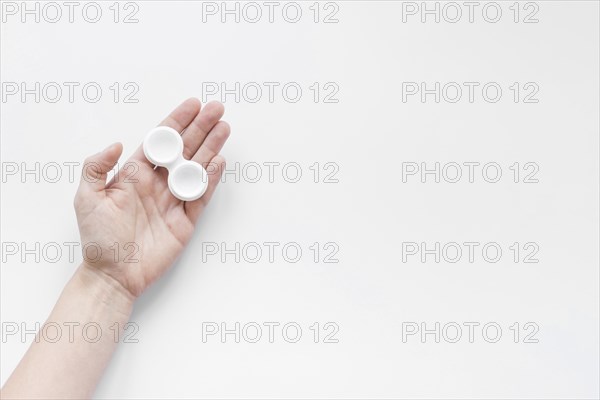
point(163, 147)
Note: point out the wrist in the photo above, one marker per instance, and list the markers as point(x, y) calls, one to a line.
point(104, 289)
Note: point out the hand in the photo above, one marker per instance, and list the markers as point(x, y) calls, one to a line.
point(132, 228)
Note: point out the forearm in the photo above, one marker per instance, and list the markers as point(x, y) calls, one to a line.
point(71, 365)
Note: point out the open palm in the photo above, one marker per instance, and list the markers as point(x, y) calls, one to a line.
point(132, 228)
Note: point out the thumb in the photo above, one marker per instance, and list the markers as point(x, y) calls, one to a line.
point(96, 168)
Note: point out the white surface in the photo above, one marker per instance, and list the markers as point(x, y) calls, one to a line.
point(171, 54)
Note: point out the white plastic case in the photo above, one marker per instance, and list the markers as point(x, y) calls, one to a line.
point(163, 147)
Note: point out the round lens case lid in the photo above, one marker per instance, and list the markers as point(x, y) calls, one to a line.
point(163, 147)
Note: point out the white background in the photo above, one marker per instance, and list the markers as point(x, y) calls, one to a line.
point(369, 133)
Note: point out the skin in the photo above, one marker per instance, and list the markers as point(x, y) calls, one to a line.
point(138, 212)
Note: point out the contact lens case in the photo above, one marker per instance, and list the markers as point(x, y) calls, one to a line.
point(163, 147)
